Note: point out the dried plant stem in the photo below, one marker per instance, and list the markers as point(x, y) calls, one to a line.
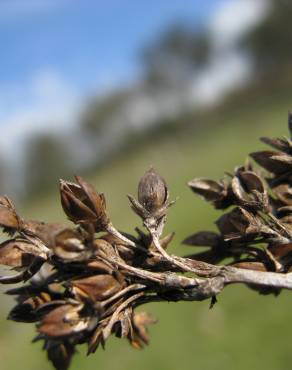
point(172, 260)
point(183, 264)
point(134, 271)
point(113, 231)
point(277, 280)
point(222, 275)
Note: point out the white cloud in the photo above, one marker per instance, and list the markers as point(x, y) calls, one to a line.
point(234, 18)
point(229, 67)
point(223, 74)
point(45, 103)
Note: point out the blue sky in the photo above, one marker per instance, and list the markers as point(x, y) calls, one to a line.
point(89, 43)
point(57, 53)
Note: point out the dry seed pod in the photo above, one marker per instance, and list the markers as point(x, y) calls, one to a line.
point(69, 246)
point(9, 219)
point(153, 196)
point(19, 253)
point(98, 266)
point(63, 321)
point(94, 285)
point(274, 162)
point(284, 193)
point(83, 205)
point(47, 233)
point(283, 144)
point(152, 191)
point(214, 192)
point(203, 238)
point(284, 211)
point(96, 288)
point(249, 190)
point(33, 308)
point(244, 221)
point(283, 158)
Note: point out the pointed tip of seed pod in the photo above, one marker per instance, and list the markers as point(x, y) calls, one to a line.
point(64, 184)
point(151, 169)
point(190, 182)
point(130, 197)
point(247, 164)
point(78, 178)
point(213, 302)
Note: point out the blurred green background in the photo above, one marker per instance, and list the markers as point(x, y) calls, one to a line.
point(244, 330)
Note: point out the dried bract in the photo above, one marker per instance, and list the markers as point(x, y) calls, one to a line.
point(212, 191)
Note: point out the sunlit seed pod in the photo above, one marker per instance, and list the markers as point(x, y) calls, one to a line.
point(83, 204)
point(152, 191)
point(96, 288)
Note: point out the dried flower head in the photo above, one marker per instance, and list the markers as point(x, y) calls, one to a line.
point(152, 191)
point(83, 205)
point(152, 203)
point(83, 283)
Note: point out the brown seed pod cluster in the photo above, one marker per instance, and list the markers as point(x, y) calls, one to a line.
point(83, 283)
point(256, 232)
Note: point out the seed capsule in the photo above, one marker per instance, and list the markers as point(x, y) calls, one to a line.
point(152, 191)
point(83, 204)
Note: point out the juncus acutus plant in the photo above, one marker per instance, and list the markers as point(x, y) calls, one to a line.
point(83, 283)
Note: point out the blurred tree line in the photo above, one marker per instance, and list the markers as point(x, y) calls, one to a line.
point(168, 62)
point(269, 42)
point(176, 55)
point(47, 160)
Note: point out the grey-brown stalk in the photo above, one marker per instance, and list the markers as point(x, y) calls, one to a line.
point(82, 284)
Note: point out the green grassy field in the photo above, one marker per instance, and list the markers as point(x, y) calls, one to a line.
point(244, 330)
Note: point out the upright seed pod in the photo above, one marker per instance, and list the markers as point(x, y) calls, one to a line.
point(152, 191)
